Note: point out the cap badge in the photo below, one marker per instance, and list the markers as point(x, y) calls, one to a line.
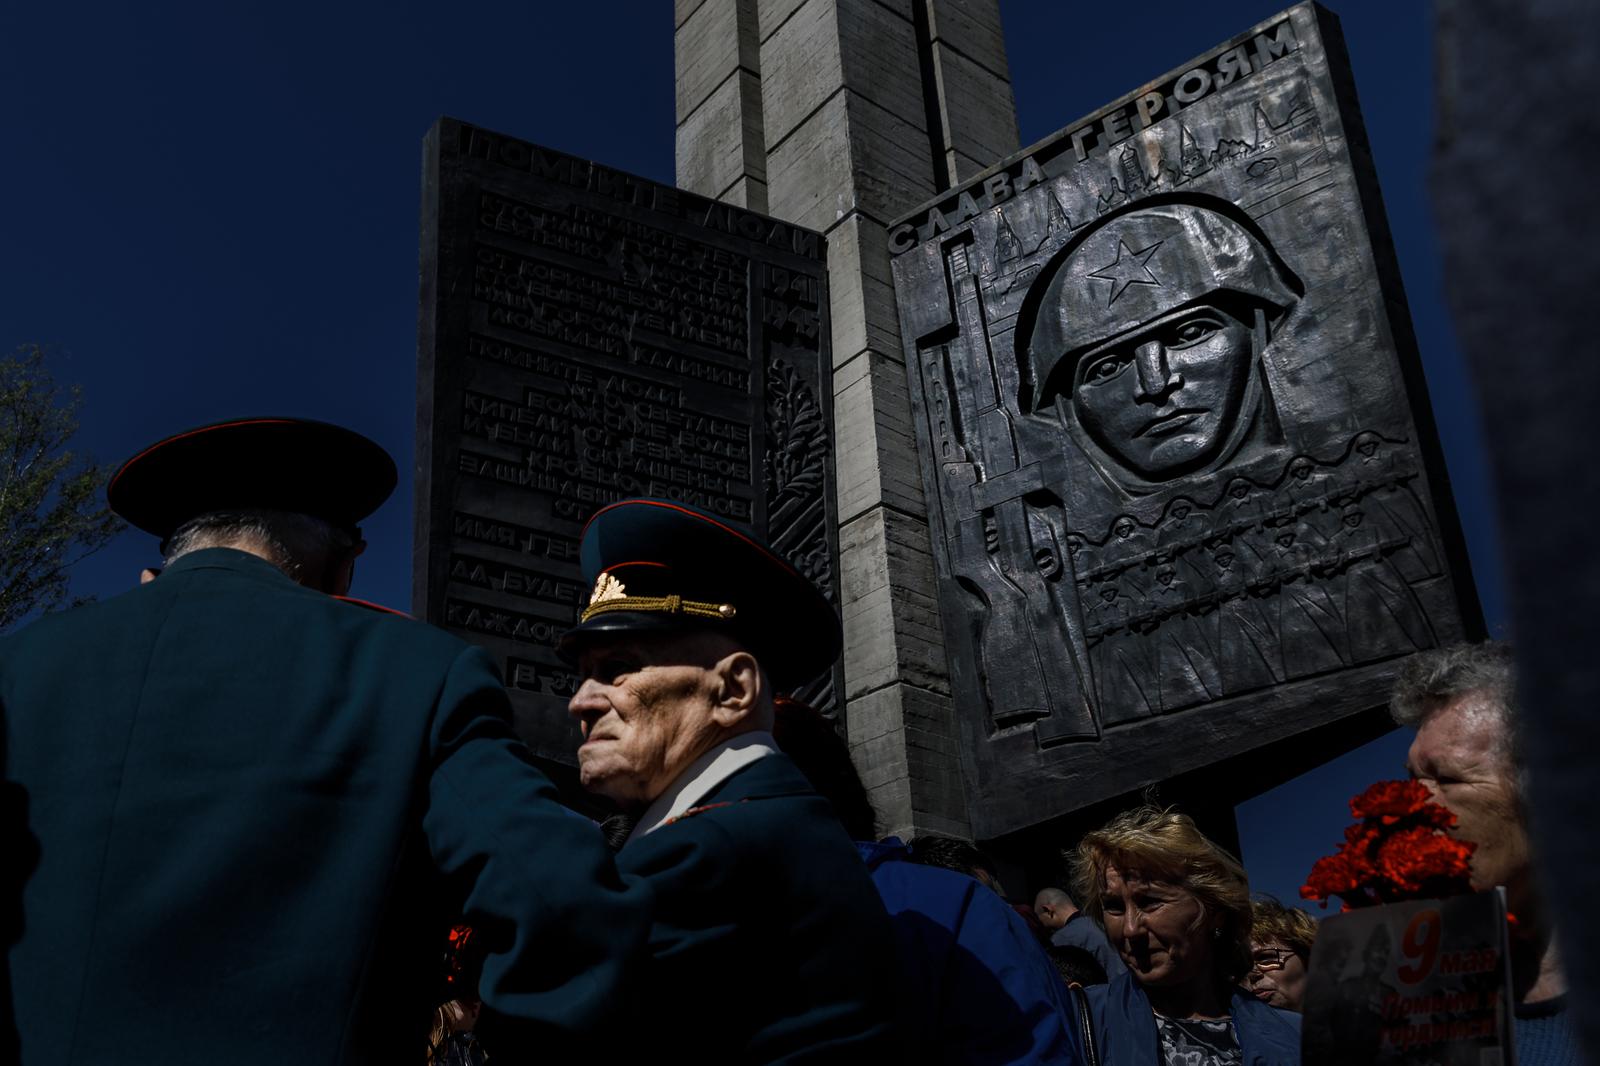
point(607, 588)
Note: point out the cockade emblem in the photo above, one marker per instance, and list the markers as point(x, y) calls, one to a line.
point(607, 588)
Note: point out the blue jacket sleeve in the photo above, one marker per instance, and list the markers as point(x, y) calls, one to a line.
point(997, 997)
point(996, 950)
point(565, 929)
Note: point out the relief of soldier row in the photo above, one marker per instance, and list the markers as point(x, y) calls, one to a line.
point(1263, 585)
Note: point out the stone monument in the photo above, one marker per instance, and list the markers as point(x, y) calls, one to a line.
point(587, 335)
point(1184, 489)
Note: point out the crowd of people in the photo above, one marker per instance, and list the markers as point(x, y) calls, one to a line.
point(245, 809)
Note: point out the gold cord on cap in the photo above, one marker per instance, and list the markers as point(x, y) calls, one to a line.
point(611, 595)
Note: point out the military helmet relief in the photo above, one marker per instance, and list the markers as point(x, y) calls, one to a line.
point(1149, 334)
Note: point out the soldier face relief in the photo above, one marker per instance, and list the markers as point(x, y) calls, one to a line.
point(1162, 402)
point(1148, 341)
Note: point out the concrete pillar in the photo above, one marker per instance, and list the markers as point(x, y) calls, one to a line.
point(721, 151)
point(970, 87)
point(867, 109)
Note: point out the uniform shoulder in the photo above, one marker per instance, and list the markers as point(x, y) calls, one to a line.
point(369, 605)
point(146, 607)
point(764, 810)
point(394, 625)
point(57, 628)
point(769, 802)
point(773, 776)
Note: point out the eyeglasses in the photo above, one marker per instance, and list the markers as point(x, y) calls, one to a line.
point(1270, 959)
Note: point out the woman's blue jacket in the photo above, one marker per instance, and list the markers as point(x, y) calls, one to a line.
point(1125, 1027)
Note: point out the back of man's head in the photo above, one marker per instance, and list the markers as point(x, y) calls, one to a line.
point(1077, 966)
point(1054, 907)
point(1438, 678)
point(962, 856)
point(301, 546)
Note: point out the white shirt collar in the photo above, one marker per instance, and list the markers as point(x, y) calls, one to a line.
point(703, 775)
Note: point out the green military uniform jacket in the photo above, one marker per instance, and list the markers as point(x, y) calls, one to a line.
point(258, 809)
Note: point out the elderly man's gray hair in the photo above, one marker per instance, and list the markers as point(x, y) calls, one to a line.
point(1432, 679)
point(292, 542)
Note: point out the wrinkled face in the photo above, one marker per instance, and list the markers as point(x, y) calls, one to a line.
point(1454, 756)
point(1160, 929)
point(1163, 401)
point(1284, 988)
point(645, 708)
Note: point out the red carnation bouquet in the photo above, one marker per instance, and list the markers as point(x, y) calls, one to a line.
point(1397, 850)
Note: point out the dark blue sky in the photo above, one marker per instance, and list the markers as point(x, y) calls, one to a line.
point(213, 208)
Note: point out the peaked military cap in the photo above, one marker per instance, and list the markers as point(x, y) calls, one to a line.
point(661, 567)
point(280, 464)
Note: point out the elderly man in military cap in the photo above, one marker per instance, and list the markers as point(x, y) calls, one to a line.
point(770, 942)
point(259, 807)
point(1148, 335)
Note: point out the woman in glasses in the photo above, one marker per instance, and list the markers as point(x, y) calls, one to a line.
point(1177, 909)
point(1280, 951)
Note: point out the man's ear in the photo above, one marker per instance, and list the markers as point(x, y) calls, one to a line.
point(739, 689)
point(343, 570)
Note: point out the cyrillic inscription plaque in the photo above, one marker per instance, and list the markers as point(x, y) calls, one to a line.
point(1185, 488)
point(585, 336)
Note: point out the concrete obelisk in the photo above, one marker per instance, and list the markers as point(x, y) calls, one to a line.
point(840, 115)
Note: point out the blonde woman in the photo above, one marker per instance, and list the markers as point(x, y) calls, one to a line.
point(1177, 909)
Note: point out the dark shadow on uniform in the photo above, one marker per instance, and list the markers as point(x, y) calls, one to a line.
point(21, 859)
